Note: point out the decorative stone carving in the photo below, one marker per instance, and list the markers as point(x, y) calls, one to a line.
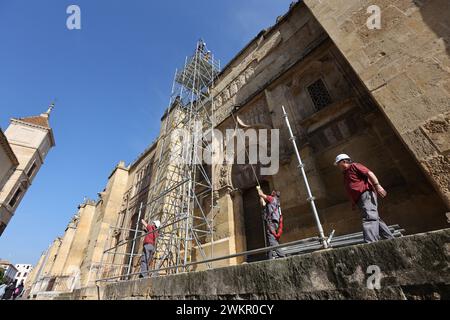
point(226, 94)
point(268, 46)
point(230, 91)
point(243, 176)
point(224, 176)
point(74, 222)
point(116, 232)
point(437, 130)
point(101, 196)
point(257, 115)
point(248, 73)
point(233, 88)
point(218, 102)
point(264, 48)
point(242, 80)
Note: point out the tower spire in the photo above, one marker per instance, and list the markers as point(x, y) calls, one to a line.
point(50, 108)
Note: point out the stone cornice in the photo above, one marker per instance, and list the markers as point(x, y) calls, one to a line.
point(328, 114)
point(144, 154)
point(224, 112)
point(31, 125)
point(14, 120)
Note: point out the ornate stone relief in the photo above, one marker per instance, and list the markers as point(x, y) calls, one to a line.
point(222, 99)
point(223, 172)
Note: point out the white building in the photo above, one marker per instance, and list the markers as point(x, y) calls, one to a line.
point(23, 148)
point(23, 270)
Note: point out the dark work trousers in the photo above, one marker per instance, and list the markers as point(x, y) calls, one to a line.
point(373, 227)
point(272, 241)
point(146, 258)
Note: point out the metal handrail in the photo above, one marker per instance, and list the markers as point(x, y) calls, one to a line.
point(245, 253)
point(397, 231)
point(144, 235)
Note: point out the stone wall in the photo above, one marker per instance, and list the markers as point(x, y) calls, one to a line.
point(141, 173)
point(406, 67)
point(80, 238)
point(8, 161)
point(389, 95)
point(284, 61)
point(27, 145)
point(413, 267)
point(106, 214)
point(64, 249)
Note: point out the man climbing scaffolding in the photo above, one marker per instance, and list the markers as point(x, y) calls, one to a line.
point(273, 219)
point(149, 245)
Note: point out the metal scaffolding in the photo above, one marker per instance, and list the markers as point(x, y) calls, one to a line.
point(181, 192)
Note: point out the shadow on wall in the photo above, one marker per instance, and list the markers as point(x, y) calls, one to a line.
point(436, 13)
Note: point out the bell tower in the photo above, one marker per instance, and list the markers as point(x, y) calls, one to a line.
point(30, 139)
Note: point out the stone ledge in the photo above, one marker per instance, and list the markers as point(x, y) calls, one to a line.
point(413, 267)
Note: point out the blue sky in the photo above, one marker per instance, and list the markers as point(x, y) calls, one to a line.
point(112, 81)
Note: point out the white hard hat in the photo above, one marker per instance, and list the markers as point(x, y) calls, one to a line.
point(341, 157)
point(157, 224)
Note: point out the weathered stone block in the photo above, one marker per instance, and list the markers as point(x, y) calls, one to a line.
point(403, 88)
point(419, 144)
point(439, 167)
point(360, 61)
point(437, 130)
point(407, 7)
point(428, 73)
point(440, 99)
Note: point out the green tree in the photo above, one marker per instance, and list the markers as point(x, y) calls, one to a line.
point(2, 274)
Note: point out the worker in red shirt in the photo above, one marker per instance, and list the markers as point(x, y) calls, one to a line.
point(149, 245)
point(362, 186)
point(273, 219)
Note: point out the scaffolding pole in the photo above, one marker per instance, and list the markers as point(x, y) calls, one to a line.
point(134, 240)
point(301, 166)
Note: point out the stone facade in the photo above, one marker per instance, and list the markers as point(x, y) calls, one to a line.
point(374, 94)
point(285, 62)
point(106, 215)
point(76, 259)
point(8, 160)
point(58, 269)
point(32, 280)
point(42, 280)
point(405, 66)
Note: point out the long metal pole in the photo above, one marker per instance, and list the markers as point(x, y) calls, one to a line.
point(213, 123)
point(134, 240)
point(305, 179)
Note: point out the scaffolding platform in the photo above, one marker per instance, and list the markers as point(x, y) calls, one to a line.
point(313, 244)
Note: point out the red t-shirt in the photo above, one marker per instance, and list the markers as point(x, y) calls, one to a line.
point(151, 237)
point(357, 181)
